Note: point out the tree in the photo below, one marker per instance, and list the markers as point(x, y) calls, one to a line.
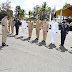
point(44, 5)
point(36, 10)
point(45, 11)
point(17, 11)
point(34, 14)
point(29, 13)
point(66, 5)
point(10, 13)
point(22, 13)
point(6, 8)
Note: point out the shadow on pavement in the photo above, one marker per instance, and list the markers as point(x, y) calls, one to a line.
point(19, 37)
point(42, 44)
point(11, 35)
point(34, 41)
point(1, 47)
point(27, 39)
point(62, 49)
point(70, 52)
point(51, 46)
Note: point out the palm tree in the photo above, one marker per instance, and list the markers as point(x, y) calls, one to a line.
point(17, 11)
point(44, 5)
point(34, 14)
point(29, 13)
point(22, 13)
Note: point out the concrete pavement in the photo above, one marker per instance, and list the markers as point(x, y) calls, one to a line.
point(25, 56)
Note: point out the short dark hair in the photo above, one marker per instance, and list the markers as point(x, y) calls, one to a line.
point(5, 14)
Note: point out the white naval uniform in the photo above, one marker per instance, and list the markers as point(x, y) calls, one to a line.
point(54, 29)
point(24, 25)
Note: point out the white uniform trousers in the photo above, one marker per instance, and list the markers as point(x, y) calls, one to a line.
point(23, 32)
point(53, 36)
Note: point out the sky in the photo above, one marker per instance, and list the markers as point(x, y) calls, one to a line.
point(29, 4)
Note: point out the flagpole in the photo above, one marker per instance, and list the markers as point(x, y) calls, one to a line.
point(54, 11)
point(60, 16)
point(50, 16)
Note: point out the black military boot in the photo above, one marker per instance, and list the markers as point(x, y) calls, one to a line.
point(43, 41)
point(36, 39)
point(3, 44)
point(29, 38)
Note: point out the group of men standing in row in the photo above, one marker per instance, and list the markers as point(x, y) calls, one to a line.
point(39, 25)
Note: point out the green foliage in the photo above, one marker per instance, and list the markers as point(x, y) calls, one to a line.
point(30, 18)
point(34, 14)
point(44, 5)
point(29, 13)
point(6, 8)
point(43, 11)
point(17, 11)
point(36, 10)
point(20, 13)
point(66, 5)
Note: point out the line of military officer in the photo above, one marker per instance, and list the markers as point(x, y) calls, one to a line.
point(39, 24)
point(54, 29)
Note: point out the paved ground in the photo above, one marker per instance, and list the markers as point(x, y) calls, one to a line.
point(25, 56)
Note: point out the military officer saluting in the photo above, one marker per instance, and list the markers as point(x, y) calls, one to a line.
point(4, 23)
point(45, 29)
point(12, 23)
point(54, 30)
point(30, 28)
point(64, 31)
point(38, 28)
